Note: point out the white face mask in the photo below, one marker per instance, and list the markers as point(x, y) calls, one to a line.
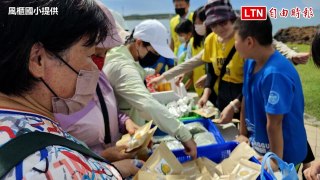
point(182, 39)
point(200, 29)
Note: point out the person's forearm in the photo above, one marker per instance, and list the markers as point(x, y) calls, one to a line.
point(243, 126)
point(236, 104)
point(206, 93)
point(274, 130)
point(284, 49)
point(184, 67)
point(188, 83)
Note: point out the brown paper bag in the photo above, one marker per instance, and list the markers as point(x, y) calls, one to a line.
point(191, 168)
point(144, 175)
point(204, 176)
point(178, 177)
point(207, 166)
point(247, 170)
point(141, 175)
point(242, 151)
point(143, 153)
point(200, 169)
point(140, 139)
point(163, 161)
point(224, 177)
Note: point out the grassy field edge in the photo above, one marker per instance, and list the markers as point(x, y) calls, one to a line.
point(310, 78)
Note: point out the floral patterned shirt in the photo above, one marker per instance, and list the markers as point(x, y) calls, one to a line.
point(52, 162)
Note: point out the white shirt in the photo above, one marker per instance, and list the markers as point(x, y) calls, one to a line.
point(127, 79)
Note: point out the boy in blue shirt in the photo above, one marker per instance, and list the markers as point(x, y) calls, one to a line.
point(161, 65)
point(273, 103)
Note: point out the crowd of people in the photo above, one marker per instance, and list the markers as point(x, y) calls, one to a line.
point(76, 81)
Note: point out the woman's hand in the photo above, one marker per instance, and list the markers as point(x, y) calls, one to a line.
point(201, 81)
point(117, 153)
point(179, 79)
point(204, 98)
point(131, 127)
point(226, 115)
point(202, 101)
point(190, 148)
point(301, 58)
point(128, 167)
point(313, 172)
point(155, 81)
point(273, 164)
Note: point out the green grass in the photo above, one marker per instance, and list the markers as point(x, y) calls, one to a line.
point(310, 77)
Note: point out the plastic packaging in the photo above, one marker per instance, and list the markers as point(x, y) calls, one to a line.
point(195, 128)
point(181, 107)
point(149, 71)
point(174, 145)
point(205, 138)
point(159, 139)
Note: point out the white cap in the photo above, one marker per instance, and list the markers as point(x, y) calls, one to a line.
point(153, 32)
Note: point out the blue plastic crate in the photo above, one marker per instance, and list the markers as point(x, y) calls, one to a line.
point(216, 153)
point(207, 123)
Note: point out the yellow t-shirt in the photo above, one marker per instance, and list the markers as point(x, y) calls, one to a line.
point(198, 71)
point(173, 23)
point(216, 53)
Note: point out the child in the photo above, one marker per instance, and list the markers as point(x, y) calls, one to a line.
point(196, 44)
point(272, 95)
point(162, 65)
point(184, 30)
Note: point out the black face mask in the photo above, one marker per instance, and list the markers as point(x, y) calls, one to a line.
point(149, 59)
point(180, 11)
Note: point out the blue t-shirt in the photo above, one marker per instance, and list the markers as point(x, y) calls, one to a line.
point(165, 61)
point(275, 89)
